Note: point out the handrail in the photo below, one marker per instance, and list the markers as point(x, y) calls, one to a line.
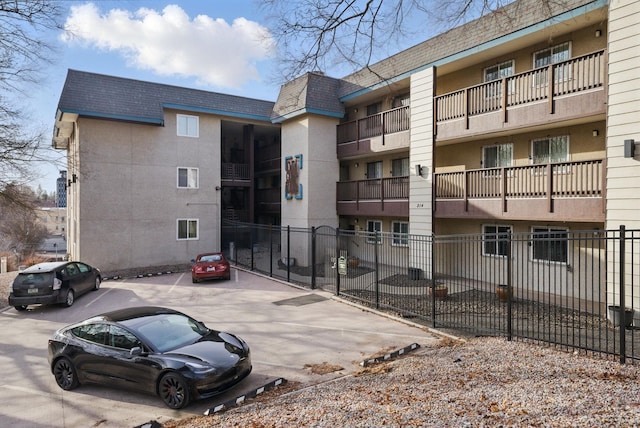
point(386, 122)
point(378, 189)
point(573, 75)
point(566, 180)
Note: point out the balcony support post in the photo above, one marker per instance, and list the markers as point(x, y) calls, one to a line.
point(549, 187)
point(504, 100)
point(466, 108)
point(503, 189)
point(466, 190)
point(550, 88)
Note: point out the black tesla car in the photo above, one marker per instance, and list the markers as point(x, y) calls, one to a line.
point(151, 349)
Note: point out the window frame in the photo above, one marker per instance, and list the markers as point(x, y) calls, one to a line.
point(536, 231)
point(541, 78)
point(498, 167)
point(490, 90)
point(188, 169)
point(496, 240)
point(191, 130)
point(400, 238)
point(188, 221)
point(404, 167)
point(371, 231)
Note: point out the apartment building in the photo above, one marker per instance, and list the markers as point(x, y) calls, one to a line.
point(521, 121)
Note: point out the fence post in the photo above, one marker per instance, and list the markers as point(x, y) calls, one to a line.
point(622, 315)
point(271, 250)
point(376, 270)
point(337, 258)
point(251, 241)
point(288, 253)
point(509, 287)
point(313, 257)
point(433, 282)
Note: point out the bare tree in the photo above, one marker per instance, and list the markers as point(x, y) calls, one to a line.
point(20, 231)
point(315, 35)
point(24, 54)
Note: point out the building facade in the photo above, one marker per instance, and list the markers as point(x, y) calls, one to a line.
point(521, 121)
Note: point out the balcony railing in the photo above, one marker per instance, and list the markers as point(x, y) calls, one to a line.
point(235, 171)
point(553, 180)
point(377, 189)
point(386, 122)
point(578, 74)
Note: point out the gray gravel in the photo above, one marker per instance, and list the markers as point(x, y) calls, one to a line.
point(485, 382)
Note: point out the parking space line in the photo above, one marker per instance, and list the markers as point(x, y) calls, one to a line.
point(176, 282)
point(107, 291)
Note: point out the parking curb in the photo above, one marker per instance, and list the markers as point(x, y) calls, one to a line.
point(241, 398)
point(394, 354)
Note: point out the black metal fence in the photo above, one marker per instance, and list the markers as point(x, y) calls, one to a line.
point(552, 285)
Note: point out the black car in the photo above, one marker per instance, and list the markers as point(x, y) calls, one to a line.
point(53, 282)
point(150, 349)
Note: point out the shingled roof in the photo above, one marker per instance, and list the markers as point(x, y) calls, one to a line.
point(97, 95)
point(311, 93)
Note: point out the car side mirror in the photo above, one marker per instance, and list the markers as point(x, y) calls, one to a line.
point(193, 260)
point(135, 351)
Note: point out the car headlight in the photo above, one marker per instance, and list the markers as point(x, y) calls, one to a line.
point(201, 368)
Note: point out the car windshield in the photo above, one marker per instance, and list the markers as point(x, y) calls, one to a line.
point(165, 332)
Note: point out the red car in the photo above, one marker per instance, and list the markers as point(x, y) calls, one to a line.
point(210, 265)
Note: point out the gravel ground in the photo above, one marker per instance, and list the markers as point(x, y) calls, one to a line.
point(481, 382)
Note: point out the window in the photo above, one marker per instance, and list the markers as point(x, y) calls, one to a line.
point(374, 227)
point(400, 167)
point(96, 333)
point(401, 101)
point(498, 72)
point(374, 108)
point(374, 169)
point(550, 245)
point(187, 229)
point(188, 126)
point(121, 338)
point(497, 156)
point(400, 233)
point(188, 178)
point(552, 55)
point(495, 240)
point(549, 150)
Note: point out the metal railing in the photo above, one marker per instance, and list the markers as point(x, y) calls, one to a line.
point(235, 171)
point(556, 286)
point(562, 179)
point(386, 122)
point(377, 189)
point(577, 74)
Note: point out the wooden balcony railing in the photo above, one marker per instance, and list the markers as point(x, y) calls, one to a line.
point(378, 189)
point(386, 122)
point(574, 75)
point(553, 180)
point(235, 171)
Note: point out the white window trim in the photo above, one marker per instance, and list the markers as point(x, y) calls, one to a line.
point(197, 177)
point(371, 240)
point(189, 133)
point(187, 220)
point(510, 87)
point(558, 170)
point(497, 226)
point(399, 236)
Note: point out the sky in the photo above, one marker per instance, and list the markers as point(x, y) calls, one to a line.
point(216, 45)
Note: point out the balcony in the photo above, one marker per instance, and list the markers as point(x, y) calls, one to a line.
point(375, 197)
point(566, 191)
point(237, 173)
point(577, 95)
point(383, 131)
point(268, 200)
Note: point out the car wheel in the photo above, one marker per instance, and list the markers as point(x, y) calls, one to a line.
point(97, 285)
point(68, 301)
point(65, 374)
point(195, 281)
point(228, 277)
point(21, 307)
point(174, 391)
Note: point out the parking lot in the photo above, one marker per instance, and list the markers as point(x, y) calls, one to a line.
point(288, 330)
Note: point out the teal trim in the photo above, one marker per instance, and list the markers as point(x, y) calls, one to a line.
point(217, 112)
point(566, 16)
point(124, 118)
point(300, 112)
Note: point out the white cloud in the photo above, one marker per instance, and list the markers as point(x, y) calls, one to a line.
point(171, 44)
